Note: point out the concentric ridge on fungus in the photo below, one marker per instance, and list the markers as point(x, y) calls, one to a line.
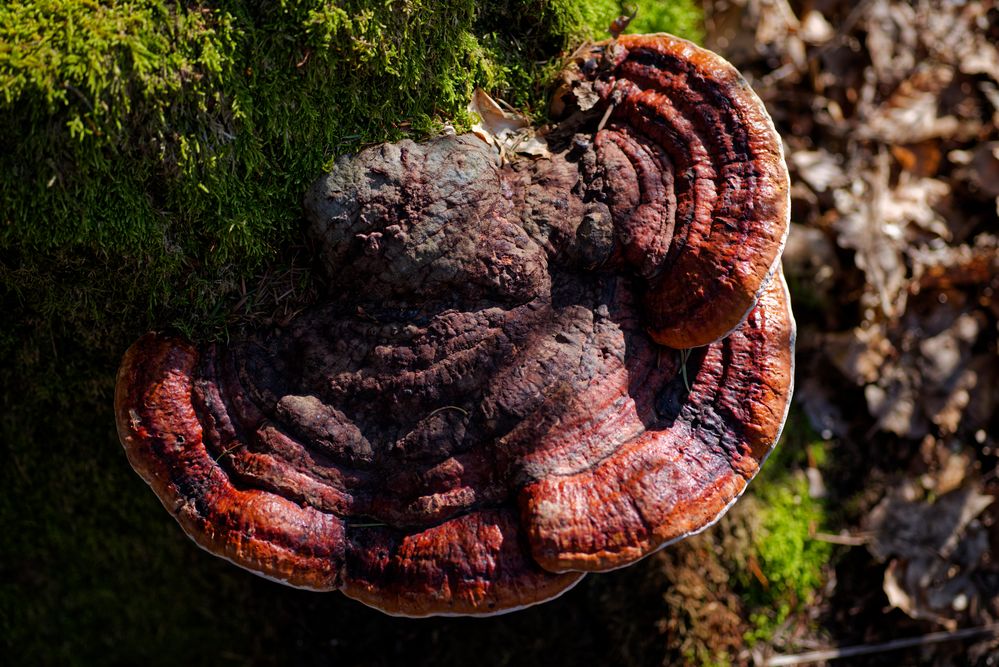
point(485, 407)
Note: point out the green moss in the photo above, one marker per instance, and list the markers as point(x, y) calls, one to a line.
point(790, 563)
point(514, 30)
point(746, 578)
point(683, 18)
point(177, 139)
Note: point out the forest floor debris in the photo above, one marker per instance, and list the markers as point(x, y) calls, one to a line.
point(889, 112)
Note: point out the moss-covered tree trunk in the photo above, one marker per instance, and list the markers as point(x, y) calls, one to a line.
point(153, 157)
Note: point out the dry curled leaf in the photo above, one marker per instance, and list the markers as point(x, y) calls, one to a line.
point(507, 131)
point(933, 549)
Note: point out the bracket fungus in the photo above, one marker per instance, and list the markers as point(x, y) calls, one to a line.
point(525, 370)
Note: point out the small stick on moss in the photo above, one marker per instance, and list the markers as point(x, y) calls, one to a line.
point(616, 98)
point(620, 24)
point(607, 115)
point(849, 540)
point(754, 568)
point(76, 91)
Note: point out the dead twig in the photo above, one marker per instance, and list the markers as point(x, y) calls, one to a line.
point(854, 540)
point(226, 452)
point(894, 645)
point(606, 117)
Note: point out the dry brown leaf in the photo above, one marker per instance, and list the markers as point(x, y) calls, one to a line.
point(820, 169)
point(815, 29)
point(934, 549)
point(892, 39)
point(913, 112)
point(942, 267)
point(509, 132)
point(860, 353)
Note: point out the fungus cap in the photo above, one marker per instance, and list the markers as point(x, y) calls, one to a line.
point(484, 406)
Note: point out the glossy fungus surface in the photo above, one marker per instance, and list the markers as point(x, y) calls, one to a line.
point(496, 394)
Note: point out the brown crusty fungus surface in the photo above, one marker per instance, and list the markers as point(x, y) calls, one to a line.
point(498, 393)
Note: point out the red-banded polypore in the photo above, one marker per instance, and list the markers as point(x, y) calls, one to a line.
point(525, 369)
